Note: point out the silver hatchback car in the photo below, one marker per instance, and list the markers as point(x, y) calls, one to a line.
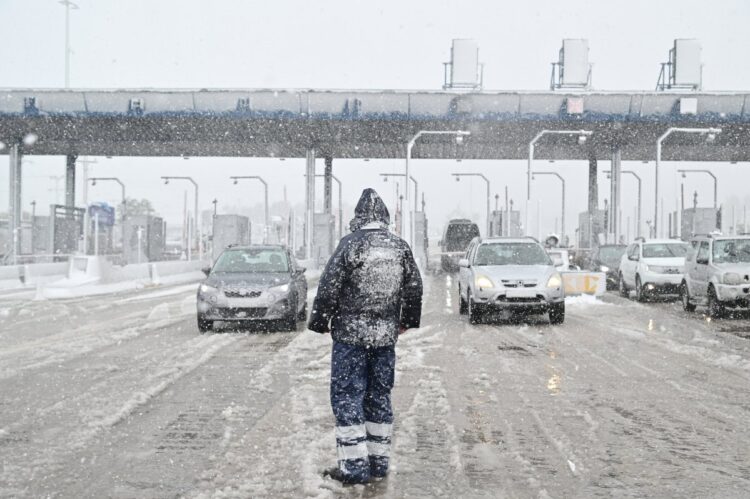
point(512, 274)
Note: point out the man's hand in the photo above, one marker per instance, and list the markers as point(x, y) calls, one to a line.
point(401, 330)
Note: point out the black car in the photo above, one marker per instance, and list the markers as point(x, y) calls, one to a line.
point(456, 238)
point(606, 258)
point(253, 283)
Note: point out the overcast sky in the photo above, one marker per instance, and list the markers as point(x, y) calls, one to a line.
point(362, 45)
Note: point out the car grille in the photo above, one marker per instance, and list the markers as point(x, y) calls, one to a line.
point(242, 313)
point(241, 293)
point(518, 283)
point(530, 299)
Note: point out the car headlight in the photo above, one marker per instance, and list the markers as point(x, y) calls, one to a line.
point(732, 279)
point(555, 281)
point(205, 288)
point(483, 282)
point(604, 268)
point(279, 289)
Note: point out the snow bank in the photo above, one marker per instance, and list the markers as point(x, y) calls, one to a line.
point(584, 301)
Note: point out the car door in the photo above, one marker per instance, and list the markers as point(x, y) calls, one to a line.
point(700, 282)
point(300, 281)
point(631, 262)
point(691, 267)
point(464, 273)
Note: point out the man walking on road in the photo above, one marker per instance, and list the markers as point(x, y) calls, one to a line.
point(369, 293)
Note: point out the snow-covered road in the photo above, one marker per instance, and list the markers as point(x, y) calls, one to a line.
point(119, 396)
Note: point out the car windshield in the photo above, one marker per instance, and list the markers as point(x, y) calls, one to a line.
point(611, 254)
point(732, 251)
point(665, 250)
point(252, 261)
point(511, 254)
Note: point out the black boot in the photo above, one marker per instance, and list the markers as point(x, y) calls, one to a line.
point(338, 475)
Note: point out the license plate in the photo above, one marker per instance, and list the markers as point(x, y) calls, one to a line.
point(520, 293)
point(243, 302)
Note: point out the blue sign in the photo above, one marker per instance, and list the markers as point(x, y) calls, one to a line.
point(105, 212)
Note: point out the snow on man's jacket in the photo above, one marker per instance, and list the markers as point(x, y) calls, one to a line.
point(371, 284)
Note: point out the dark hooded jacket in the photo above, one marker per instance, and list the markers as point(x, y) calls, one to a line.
point(371, 286)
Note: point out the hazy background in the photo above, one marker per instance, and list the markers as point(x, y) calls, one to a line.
point(361, 45)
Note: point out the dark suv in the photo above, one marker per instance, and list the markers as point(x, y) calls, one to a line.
point(456, 238)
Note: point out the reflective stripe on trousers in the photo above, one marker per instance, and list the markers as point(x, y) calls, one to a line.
point(361, 383)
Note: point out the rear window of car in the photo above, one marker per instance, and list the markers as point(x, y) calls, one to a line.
point(458, 236)
point(664, 250)
point(511, 254)
point(252, 261)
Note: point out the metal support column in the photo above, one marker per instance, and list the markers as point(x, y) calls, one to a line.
point(328, 196)
point(615, 197)
point(14, 198)
point(70, 180)
point(593, 200)
point(309, 203)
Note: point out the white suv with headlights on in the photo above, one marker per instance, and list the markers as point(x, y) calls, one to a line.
point(717, 274)
point(651, 267)
point(512, 274)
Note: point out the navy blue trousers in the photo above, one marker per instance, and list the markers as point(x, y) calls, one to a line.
point(361, 383)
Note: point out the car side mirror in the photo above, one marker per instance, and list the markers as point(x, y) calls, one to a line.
point(301, 270)
point(463, 263)
point(206, 270)
point(701, 261)
point(633, 258)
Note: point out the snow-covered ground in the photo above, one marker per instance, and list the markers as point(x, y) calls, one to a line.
point(119, 396)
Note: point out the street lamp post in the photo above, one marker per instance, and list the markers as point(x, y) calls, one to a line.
point(198, 234)
point(716, 182)
point(562, 221)
point(582, 136)
point(266, 229)
point(416, 191)
point(341, 210)
point(711, 135)
point(93, 181)
point(459, 134)
point(68, 4)
point(638, 178)
point(487, 181)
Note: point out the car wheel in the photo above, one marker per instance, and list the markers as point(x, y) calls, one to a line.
point(715, 308)
point(204, 325)
point(640, 294)
point(462, 307)
point(624, 291)
point(687, 306)
point(474, 314)
point(557, 313)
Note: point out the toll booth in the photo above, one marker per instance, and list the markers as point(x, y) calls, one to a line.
point(144, 239)
point(66, 228)
point(497, 223)
point(230, 229)
point(40, 231)
point(421, 240)
point(323, 237)
point(101, 227)
point(699, 221)
point(591, 228)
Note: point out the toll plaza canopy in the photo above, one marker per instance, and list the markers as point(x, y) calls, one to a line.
point(372, 124)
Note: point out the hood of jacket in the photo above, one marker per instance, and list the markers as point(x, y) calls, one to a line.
point(370, 210)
